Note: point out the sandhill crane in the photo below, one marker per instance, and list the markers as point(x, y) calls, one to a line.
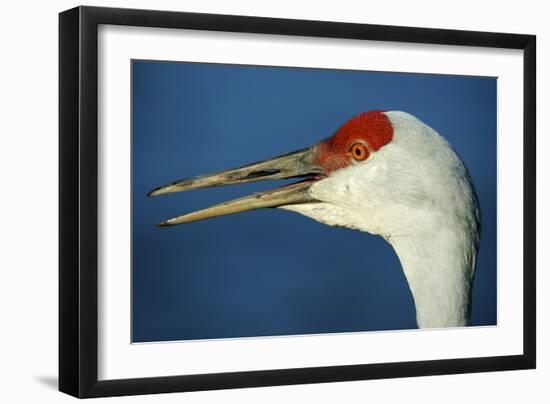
point(388, 174)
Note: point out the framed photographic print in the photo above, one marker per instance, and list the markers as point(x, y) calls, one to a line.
point(251, 201)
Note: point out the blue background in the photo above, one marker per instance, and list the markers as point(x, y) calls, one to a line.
point(273, 272)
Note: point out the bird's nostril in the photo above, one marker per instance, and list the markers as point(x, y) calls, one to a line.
point(262, 173)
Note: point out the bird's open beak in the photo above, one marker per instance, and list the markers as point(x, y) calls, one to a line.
point(299, 164)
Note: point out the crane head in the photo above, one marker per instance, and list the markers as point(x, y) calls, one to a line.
point(380, 172)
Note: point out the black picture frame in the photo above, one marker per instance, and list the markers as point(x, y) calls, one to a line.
point(78, 196)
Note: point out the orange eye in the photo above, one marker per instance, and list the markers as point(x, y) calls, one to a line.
point(359, 151)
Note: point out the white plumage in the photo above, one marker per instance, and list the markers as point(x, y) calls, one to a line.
point(416, 193)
